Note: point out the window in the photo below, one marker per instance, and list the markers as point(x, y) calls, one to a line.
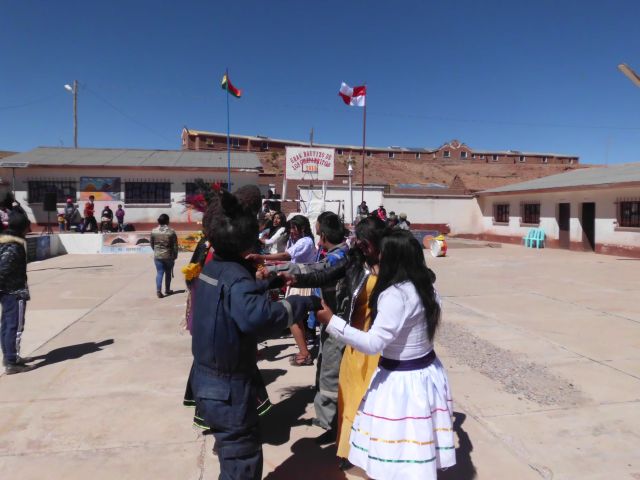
point(629, 214)
point(447, 154)
point(392, 154)
point(63, 189)
point(530, 213)
point(369, 154)
point(501, 213)
point(463, 154)
point(417, 155)
point(545, 159)
point(264, 146)
point(339, 151)
point(235, 143)
point(522, 159)
point(494, 158)
point(190, 188)
point(147, 192)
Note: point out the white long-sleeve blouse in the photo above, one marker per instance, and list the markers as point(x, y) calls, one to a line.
point(399, 330)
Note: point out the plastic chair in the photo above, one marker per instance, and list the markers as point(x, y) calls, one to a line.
point(538, 238)
point(527, 239)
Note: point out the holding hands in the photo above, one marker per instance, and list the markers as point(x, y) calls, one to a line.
point(324, 315)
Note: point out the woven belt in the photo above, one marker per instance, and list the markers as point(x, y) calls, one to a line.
point(405, 365)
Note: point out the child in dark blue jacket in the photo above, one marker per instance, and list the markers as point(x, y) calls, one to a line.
point(230, 311)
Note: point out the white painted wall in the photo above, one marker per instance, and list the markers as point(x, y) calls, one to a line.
point(146, 214)
point(607, 231)
point(463, 215)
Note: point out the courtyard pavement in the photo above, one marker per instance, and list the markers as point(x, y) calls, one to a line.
point(542, 349)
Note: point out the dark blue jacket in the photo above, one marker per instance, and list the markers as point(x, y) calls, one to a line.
point(231, 309)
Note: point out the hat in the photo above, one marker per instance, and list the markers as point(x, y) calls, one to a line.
point(403, 216)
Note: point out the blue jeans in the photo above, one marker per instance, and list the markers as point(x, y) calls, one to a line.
point(11, 326)
point(163, 267)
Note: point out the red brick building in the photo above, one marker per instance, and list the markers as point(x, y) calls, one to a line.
point(453, 152)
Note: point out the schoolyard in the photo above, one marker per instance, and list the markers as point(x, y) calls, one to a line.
point(542, 349)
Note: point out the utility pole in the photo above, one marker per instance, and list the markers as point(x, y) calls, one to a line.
point(74, 90)
point(75, 114)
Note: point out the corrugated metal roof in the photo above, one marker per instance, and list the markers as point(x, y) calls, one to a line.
point(114, 157)
point(584, 177)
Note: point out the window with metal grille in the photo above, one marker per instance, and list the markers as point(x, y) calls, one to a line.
point(63, 189)
point(391, 154)
point(501, 213)
point(417, 155)
point(629, 214)
point(147, 192)
point(531, 213)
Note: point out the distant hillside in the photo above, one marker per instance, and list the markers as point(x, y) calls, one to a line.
point(474, 176)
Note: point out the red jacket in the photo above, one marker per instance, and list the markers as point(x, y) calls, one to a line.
point(88, 209)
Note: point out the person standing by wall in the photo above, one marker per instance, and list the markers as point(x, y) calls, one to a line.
point(164, 243)
point(70, 213)
point(89, 216)
point(120, 218)
point(14, 291)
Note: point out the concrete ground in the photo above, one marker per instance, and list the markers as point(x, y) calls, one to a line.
point(542, 349)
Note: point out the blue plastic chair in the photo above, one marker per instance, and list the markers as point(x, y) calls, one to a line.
point(538, 238)
point(527, 239)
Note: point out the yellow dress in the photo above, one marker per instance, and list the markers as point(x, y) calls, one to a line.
point(356, 371)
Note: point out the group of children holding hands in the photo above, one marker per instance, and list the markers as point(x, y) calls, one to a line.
point(381, 390)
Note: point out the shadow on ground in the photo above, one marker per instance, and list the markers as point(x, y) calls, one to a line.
point(70, 352)
point(464, 468)
point(271, 353)
point(270, 375)
point(276, 425)
point(309, 461)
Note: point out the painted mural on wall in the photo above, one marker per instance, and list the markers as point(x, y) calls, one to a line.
point(134, 242)
point(104, 189)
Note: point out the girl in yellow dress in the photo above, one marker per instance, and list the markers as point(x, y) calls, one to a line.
point(356, 277)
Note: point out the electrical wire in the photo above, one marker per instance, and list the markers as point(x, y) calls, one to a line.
point(127, 116)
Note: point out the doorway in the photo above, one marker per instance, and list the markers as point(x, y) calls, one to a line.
point(588, 221)
point(564, 218)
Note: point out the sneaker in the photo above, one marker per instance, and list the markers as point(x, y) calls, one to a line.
point(344, 464)
point(17, 368)
point(160, 295)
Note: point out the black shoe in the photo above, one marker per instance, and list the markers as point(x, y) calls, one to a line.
point(13, 368)
point(19, 361)
point(344, 464)
point(168, 292)
point(160, 295)
point(326, 438)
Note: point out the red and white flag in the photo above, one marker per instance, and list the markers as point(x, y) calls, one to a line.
point(353, 96)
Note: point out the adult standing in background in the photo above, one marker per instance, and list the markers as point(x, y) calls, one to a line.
point(164, 243)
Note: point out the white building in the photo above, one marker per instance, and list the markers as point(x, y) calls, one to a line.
point(595, 209)
point(146, 182)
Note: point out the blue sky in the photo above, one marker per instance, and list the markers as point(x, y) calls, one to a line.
point(523, 75)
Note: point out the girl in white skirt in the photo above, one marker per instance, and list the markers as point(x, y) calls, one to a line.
point(404, 426)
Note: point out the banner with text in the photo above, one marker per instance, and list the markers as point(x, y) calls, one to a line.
point(310, 163)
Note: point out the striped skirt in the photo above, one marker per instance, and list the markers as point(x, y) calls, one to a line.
point(404, 425)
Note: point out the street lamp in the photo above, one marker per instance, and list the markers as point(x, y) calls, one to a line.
point(74, 91)
point(629, 73)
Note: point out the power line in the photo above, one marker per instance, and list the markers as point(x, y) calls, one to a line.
point(32, 102)
point(127, 116)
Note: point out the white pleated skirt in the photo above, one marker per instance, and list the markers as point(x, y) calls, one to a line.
point(404, 425)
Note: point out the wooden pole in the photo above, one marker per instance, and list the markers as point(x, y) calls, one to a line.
point(364, 140)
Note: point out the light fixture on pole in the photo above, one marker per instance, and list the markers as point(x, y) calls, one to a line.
point(74, 90)
point(350, 170)
point(629, 73)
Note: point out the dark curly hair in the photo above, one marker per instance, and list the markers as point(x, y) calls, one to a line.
point(230, 226)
